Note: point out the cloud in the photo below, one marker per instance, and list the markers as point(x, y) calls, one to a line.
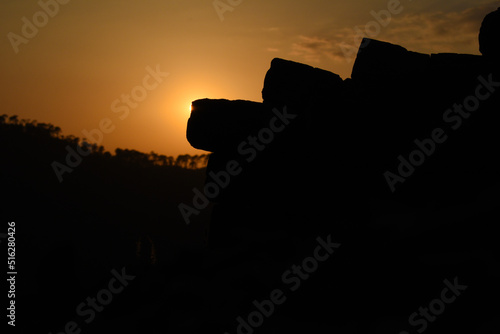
point(428, 32)
point(438, 31)
point(313, 49)
point(272, 50)
point(272, 29)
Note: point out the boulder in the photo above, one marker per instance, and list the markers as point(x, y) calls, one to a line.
point(219, 125)
point(489, 34)
point(381, 61)
point(294, 84)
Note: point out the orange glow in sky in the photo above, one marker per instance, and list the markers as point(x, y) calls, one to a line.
point(73, 62)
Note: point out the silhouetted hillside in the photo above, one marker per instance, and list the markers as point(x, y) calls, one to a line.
point(120, 186)
point(112, 210)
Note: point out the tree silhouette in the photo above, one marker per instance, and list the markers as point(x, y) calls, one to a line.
point(46, 132)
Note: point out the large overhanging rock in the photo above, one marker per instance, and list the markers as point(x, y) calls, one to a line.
point(219, 125)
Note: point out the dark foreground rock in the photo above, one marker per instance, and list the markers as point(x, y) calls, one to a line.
point(397, 164)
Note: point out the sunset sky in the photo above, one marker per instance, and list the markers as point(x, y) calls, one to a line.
point(88, 54)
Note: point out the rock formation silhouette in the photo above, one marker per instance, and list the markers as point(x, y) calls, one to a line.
point(397, 162)
point(488, 35)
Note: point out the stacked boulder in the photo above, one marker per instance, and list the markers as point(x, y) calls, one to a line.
point(282, 146)
point(399, 129)
point(398, 163)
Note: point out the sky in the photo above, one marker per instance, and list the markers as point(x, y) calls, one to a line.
point(123, 73)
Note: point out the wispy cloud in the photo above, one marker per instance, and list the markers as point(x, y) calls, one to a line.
point(272, 50)
point(429, 32)
point(271, 29)
point(440, 32)
point(313, 48)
